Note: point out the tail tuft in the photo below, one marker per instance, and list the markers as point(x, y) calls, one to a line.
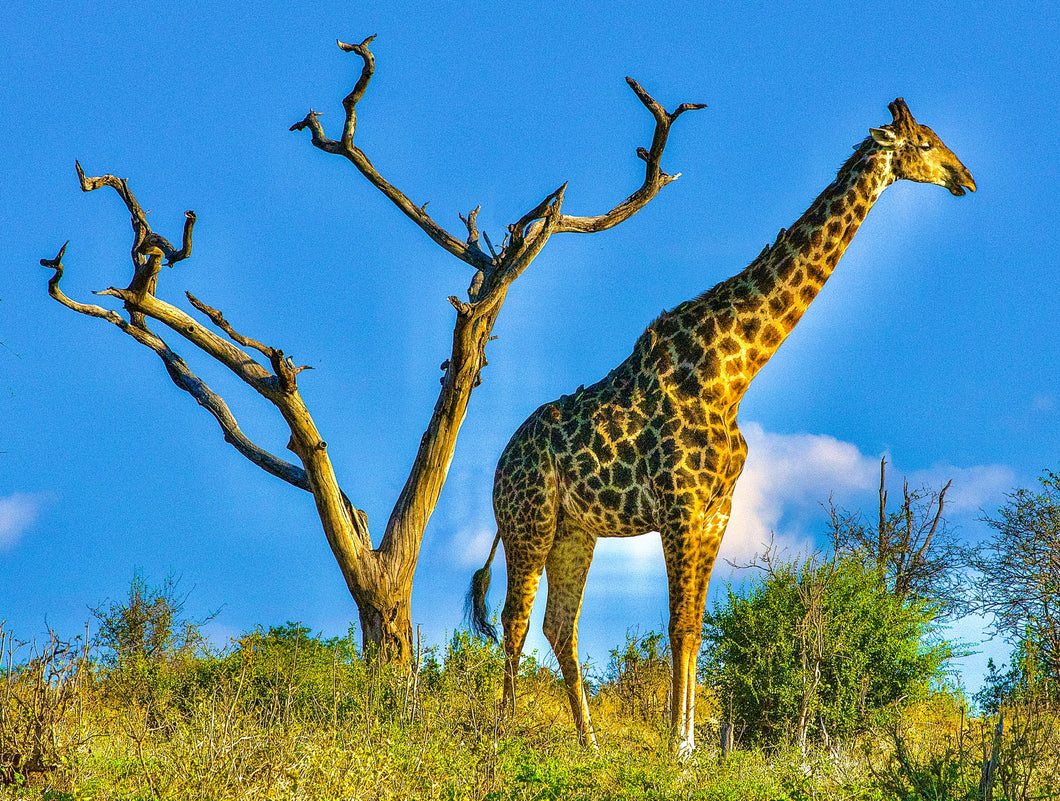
point(476, 608)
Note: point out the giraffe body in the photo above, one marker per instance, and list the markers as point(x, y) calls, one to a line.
point(655, 446)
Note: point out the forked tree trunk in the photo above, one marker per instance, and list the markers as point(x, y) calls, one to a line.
point(379, 578)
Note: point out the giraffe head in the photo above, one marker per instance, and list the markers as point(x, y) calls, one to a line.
point(918, 154)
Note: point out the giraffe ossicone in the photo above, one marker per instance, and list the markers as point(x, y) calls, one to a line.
point(654, 445)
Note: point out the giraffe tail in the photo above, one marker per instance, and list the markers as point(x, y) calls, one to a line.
point(476, 608)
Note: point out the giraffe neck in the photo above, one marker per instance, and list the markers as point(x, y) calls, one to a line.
point(739, 324)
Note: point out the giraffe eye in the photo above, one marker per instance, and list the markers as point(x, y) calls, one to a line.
point(926, 146)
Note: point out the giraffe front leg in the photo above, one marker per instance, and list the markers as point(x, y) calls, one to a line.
point(689, 560)
point(565, 570)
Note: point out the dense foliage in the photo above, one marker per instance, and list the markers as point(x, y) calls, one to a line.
point(284, 714)
point(817, 649)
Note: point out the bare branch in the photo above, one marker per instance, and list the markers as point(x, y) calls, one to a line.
point(517, 230)
point(218, 319)
point(350, 101)
point(282, 366)
point(467, 252)
point(183, 377)
point(144, 240)
point(312, 122)
point(882, 530)
point(471, 224)
point(654, 178)
point(56, 264)
point(185, 250)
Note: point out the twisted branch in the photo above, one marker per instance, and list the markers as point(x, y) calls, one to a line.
point(184, 378)
point(654, 178)
point(468, 252)
point(279, 387)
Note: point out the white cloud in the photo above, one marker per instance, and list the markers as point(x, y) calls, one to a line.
point(786, 479)
point(17, 513)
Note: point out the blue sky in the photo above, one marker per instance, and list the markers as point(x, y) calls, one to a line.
point(933, 343)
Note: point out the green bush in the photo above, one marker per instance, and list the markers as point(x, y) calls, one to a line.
point(817, 650)
point(638, 677)
point(286, 673)
point(149, 654)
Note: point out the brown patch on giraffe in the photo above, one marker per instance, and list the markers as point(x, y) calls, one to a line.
point(817, 274)
point(770, 337)
point(747, 302)
point(784, 269)
point(728, 346)
point(749, 328)
point(723, 321)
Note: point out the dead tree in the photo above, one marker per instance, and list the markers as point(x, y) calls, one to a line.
point(917, 552)
point(379, 578)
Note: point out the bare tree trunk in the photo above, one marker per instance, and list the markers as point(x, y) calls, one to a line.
point(379, 579)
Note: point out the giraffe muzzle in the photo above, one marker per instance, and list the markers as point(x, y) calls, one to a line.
point(959, 181)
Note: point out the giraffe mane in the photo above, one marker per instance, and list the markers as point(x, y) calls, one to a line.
point(859, 153)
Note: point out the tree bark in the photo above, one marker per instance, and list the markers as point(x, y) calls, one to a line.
point(379, 579)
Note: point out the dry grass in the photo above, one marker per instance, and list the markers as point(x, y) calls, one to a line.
point(268, 721)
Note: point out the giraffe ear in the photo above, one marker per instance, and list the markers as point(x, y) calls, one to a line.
point(884, 136)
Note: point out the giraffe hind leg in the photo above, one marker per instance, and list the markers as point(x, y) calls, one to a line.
point(566, 569)
point(524, 575)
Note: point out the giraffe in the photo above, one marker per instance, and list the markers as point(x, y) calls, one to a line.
point(654, 446)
